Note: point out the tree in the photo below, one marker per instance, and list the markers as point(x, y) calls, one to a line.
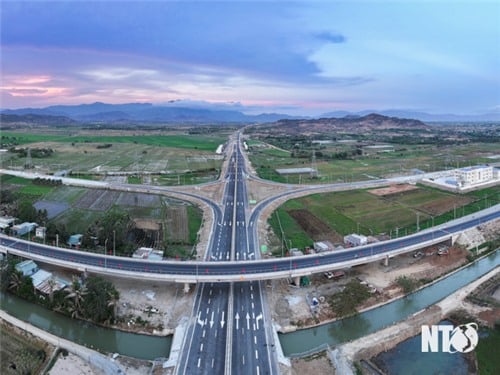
point(7, 268)
point(407, 284)
point(101, 301)
point(76, 295)
point(345, 303)
point(15, 281)
point(115, 223)
point(26, 211)
point(52, 283)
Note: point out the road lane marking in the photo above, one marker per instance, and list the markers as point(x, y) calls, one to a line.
point(256, 354)
point(199, 362)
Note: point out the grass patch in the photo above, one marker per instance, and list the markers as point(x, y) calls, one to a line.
point(194, 223)
point(14, 180)
point(36, 190)
point(292, 235)
point(488, 359)
point(134, 180)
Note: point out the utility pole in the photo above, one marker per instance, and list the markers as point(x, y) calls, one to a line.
point(114, 243)
point(418, 221)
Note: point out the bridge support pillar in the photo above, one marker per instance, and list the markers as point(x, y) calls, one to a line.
point(386, 261)
point(186, 287)
point(296, 281)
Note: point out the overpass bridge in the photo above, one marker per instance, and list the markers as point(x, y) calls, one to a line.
point(246, 270)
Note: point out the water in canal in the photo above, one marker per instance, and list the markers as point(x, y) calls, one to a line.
point(365, 323)
point(104, 339)
point(407, 358)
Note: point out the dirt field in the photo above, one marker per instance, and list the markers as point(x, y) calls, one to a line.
point(394, 189)
point(314, 227)
point(177, 224)
point(315, 364)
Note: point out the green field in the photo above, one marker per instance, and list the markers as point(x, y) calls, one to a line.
point(196, 142)
point(333, 215)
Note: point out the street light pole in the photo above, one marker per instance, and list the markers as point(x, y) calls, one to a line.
point(114, 248)
point(105, 251)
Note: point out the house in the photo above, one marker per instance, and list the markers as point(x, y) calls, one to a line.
point(75, 240)
point(27, 267)
point(40, 232)
point(6, 222)
point(46, 283)
point(322, 246)
point(148, 253)
point(22, 229)
point(355, 239)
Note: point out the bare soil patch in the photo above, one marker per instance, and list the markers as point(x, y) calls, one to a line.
point(313, 226)
point(445, 204)
point(394, 189)
point(177, 224)
point(315, 364)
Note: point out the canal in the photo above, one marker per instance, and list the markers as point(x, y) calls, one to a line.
point(87, 334)
point(306, 340)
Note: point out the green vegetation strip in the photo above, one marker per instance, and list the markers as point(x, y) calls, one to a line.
point(487, 357)
point(204, 143)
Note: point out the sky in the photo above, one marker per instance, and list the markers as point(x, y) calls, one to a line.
point(304, 57)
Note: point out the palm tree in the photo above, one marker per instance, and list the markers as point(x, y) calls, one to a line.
point(15, 281)
point(52, 283)
point(114, 299)
point(76, 295)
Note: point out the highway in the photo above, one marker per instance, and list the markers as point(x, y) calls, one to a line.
point(239, 270)
point(204, 346)
point(227, 333)
point(252, 337)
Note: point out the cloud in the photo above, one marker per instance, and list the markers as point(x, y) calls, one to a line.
point(240, 37)
point(330, 37)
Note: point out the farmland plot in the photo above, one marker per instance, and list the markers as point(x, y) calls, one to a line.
point(99, 200)
point(177, 224)
point(53, 208)
point(139, 200)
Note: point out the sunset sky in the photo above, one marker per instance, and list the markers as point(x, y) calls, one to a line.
point(295, 57)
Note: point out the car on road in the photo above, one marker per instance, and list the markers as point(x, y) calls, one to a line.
point(443, 251)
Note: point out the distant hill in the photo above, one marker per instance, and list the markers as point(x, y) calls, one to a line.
point(422, 116)
point(368, 123)
point(144, 113)
point(34, 119)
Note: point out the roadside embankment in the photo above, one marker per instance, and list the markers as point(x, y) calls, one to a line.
point(368, 346)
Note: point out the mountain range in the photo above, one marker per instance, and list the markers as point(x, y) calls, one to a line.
point(190, 112)
point(141, 113)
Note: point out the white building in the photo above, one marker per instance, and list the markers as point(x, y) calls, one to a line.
point(321, 246)
point(355, 239)
point(148, 253)
point(474, 175)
